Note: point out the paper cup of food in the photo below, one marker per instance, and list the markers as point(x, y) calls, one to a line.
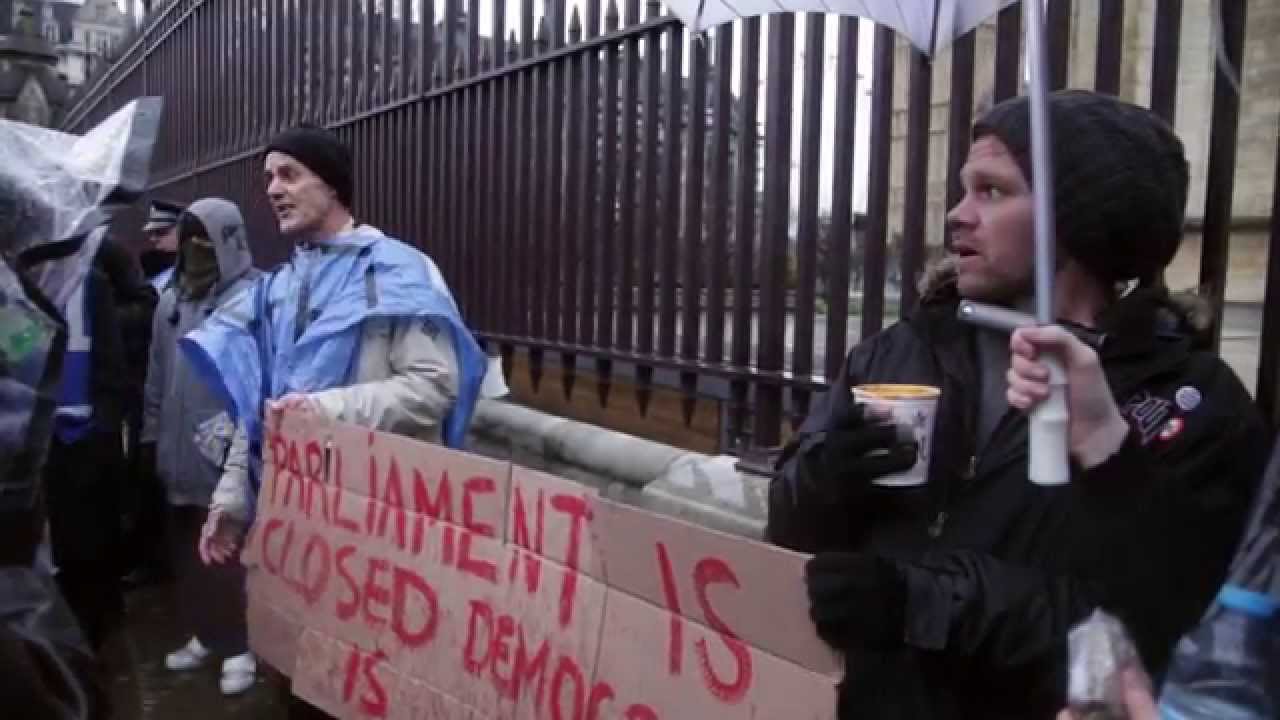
point(913, 407)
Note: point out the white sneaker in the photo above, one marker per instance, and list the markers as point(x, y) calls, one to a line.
point(238, 674)
point(188, 657)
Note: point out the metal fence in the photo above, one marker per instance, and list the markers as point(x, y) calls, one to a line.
point(607, 193)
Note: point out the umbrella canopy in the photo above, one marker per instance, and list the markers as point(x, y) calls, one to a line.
point(930, 25)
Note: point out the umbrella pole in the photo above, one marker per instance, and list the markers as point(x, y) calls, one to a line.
point(1048, 431)
point(1041, 162)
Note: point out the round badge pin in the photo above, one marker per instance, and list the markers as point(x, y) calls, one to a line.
point(1172, 429)
point(1188, 398)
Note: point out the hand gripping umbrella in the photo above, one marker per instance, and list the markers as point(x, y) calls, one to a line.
point(931, 26)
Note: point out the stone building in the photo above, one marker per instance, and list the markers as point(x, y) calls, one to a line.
point(30, 89)
point(82, 34)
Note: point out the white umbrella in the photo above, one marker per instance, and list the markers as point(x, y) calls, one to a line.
point(932, 25)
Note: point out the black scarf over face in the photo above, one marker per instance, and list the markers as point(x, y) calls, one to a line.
point(155, 262)
point(198, 261)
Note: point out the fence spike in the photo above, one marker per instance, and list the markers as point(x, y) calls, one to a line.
point(508, 353)
point(604, 376)
point(612, 16)
point(689, 399)
point(437, 77)
point(483, 60)
point(569, 363)
point(654, 8)
point(575, 26)
point(799, 407)
point(644, 389)
point(459, 68)
point(543, 40)
point(687, 406)
point(535, 368)
point(513, 48)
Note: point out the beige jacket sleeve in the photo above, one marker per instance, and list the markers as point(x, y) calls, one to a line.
point(232, 494)
point(406, 382)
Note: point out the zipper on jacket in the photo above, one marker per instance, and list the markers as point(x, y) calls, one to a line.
point(938, 525)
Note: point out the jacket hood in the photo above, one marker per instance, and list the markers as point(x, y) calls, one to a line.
point(1188, 313)
point(222, 219)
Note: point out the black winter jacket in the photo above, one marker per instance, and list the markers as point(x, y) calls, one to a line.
point(135, 303)
point(998, 569)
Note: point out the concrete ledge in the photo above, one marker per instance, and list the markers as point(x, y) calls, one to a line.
point(704, 489)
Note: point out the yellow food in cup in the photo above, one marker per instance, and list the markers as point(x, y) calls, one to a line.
point(898, 392)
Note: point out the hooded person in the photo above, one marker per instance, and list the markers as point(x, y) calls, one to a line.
point(954, 599)
point(356, 326)
point(187, 432)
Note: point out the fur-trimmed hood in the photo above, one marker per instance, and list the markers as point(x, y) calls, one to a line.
point(1187, 311)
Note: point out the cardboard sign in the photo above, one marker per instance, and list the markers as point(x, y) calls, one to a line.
point(397, 579)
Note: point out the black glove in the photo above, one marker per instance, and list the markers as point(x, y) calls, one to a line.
point(861, 446)
point(856, 600)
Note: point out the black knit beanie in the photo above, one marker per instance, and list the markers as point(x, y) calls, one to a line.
point(1120, 180)
point(322, 152)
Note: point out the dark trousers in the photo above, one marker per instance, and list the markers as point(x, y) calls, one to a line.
point(210, 598)
point(82, 486)
point(145, 512)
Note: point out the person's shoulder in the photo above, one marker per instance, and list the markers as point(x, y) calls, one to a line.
point(393, 250)
point(112, 250)
point(238, 286)
point(926, 321)
point(1204, 398)
point(406, 262)
point(1209, 369)
point(116, 260)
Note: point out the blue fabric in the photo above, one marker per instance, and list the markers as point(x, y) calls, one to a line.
point(74, 418)
point(1247, 601)
point(249, 352)
point(161, 280)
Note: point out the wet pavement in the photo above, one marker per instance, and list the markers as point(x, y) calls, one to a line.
point(141, 687)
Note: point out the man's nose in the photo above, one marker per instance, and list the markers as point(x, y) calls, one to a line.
point(273, 190)
point(962, 215)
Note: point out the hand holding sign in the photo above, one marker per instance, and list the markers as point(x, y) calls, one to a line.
point(394, 578)
point(298, 402)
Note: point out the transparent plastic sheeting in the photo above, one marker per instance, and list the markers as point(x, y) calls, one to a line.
point(52, 189)
point(53, 184)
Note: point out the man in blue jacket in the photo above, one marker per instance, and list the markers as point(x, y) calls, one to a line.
point(355, 326)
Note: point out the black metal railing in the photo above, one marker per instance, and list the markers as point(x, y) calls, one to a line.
point(608, 194)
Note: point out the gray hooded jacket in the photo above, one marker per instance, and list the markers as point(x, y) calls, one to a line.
point(187, 423)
